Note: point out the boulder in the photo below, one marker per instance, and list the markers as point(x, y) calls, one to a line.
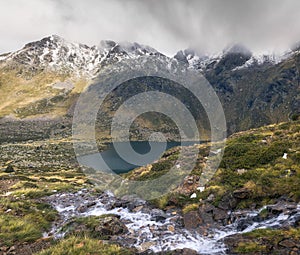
point(9, 169)
point(281, 207)
point(130, 201)
point(242, 193)
point(192, 220)
point(288, 243)
point(158, 215)
point(220, 215)
point(227, 202)
point(97, 227)
point(111, 226)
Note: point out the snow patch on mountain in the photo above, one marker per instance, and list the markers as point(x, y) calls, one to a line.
point(57, 54)
point(204, 62)
point(266, 58)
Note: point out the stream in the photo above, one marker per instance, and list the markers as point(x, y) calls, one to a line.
point(156, 230)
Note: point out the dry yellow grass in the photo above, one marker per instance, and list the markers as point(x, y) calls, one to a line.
point(19, 90)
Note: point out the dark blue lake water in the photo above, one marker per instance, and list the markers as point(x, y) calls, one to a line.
point(118, 164)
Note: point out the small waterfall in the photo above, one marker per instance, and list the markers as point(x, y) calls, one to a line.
point(156, 230)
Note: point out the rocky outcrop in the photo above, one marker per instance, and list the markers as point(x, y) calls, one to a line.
point(103, 227)
point(206, 218)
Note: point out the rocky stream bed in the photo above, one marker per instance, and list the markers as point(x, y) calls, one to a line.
point(132, 222)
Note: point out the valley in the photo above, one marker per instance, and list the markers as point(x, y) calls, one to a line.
point(49, 204)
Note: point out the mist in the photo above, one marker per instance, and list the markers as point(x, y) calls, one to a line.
point(206, 26)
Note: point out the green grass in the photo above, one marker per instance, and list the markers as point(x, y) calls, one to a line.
point(33, 93)
point(18, 230)
point(275, 234)
point(84, 246)
point(250, 247)
point(259, 241)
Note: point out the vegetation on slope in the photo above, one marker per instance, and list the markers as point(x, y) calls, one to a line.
point(264, 163)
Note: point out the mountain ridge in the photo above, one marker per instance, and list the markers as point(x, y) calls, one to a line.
point(56, 52)
point(45, 78)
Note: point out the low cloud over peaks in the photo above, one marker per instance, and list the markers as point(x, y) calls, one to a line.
point(168, 26)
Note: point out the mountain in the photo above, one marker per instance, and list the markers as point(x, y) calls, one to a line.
point(233, 57)
point(45, 77)
point(255, 90)
point(41, 83)
point(56, 54)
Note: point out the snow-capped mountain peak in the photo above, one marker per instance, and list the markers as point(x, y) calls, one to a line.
point(56, 53)
point(239, 56)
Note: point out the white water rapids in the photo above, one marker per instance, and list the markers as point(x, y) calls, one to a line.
point(158, 235)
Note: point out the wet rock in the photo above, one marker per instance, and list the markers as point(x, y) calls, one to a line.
point(296, 220)
point(158, 215)
point(111, 226)
point(192, 220)
point(220, 215)
point(182, 252)
point(174, 252)
point(206, 214)
point(97, 227)
point(85, 207)
point(213, 215)
point(130, 201)
point(137, 209)
point(281, 207)
point(145, 246)
point(242, 224)
point(210, 198)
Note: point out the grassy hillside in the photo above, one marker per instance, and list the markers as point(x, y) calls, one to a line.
point(40, 93)
point(263, 162)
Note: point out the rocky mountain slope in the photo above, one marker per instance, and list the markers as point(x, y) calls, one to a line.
point(44, 79)
point(56, 54)
point(254, 89)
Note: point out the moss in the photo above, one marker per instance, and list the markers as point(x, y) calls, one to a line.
point(161, 202)
point(250, 247)
point(275, 234)
point(162, 166)
point(190, 207)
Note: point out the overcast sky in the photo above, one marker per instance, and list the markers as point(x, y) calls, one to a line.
point(167, 25)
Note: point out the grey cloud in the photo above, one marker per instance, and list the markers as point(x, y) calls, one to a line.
point(206, 25)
